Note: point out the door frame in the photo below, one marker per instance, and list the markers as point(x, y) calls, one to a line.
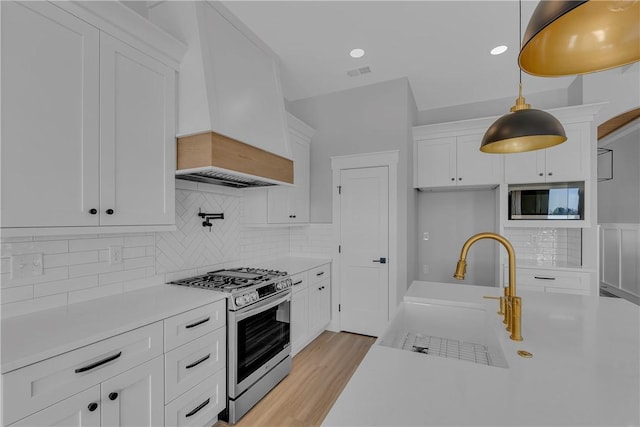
point(387, 159)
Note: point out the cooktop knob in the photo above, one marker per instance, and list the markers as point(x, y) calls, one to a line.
point(239, 301)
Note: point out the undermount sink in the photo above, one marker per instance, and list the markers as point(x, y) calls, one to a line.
point(455, 332)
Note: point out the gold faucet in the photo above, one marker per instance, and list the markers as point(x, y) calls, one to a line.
point(510, 304)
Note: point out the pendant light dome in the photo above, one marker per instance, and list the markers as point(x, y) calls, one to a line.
point(577, 37)
point(524, 129)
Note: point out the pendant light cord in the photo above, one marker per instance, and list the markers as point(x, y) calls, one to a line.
point(520, 41)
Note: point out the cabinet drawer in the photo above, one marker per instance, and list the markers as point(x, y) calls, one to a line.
point(200, 405)
point(299, 281)
point(187, 365)
point(36, 386)
point(185, 327)
point(553, 279)
point(319, 273)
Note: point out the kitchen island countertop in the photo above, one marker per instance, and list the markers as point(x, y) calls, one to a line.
point(584, 370)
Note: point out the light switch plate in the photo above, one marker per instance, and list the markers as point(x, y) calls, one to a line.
point(26, 265)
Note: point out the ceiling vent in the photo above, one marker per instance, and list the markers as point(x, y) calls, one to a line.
point(359, 71)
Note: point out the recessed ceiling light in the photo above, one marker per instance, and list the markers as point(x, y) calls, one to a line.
point(357, 53)
point(498, 50)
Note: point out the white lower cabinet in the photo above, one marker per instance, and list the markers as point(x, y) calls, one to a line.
point(549, 280)
point(299, 312)
point(128, 379)
point(80, 410)
point(195, 366)
point(134, 398)
point(310, 305)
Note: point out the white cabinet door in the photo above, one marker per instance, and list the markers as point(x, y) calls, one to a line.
point(566, 162)
point(80, 410)
point(475, 167)
point(299, 319)
point(299, 195)
point(319, 305)
point(436, 162)
point(135, 397)
point(137, 146)
point(291, 204)
point(49, 117)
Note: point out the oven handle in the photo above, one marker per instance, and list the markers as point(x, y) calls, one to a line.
point(265, 305)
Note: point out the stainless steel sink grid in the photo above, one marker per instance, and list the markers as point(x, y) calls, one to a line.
point(449, 348)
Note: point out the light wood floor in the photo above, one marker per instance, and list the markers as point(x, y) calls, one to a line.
point(318, 375)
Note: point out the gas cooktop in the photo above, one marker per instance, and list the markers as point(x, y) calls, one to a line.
point(246, 285)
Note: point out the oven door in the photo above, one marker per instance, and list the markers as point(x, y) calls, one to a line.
point(259, 338)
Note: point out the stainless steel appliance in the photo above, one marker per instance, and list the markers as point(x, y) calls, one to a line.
point(555, 201)
point(258, 332)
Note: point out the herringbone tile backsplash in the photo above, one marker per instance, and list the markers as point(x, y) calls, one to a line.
point(194, 246)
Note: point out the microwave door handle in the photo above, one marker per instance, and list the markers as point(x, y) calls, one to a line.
point(262, 307)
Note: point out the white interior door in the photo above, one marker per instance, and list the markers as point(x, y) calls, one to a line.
point(364, 241)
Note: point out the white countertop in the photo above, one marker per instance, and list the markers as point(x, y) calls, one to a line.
point(33, 337)
point(293, 264)
point(585, 369)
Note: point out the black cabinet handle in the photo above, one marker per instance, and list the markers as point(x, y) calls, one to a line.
point(193, 325)
point(102, 362)
point(196, 410)
point(109, 211)
point(544, 278)
point(92, 406)
point(320, 274)
point(194, 364)
point(297, 283)
point(113, 396)
point(380, 260)
point(93, 211)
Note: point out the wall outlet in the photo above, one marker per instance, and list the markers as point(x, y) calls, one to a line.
point(425, 269)
point(115, 254)
point(425, 235)
point(26, 265)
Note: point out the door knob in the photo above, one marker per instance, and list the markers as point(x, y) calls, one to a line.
point(381, 260)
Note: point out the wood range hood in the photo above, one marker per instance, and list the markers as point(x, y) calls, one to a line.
point(216, 159)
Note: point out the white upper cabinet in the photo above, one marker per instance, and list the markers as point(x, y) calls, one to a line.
point(565, 162)
point(50, 122)
point(137, 137)
point(229, 81)
point(285, 204)
point(88, 122)
point(451, 161)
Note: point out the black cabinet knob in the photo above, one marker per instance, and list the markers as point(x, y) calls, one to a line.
point(460, 179)
point(541, 174)
point(550, 173)
point(93, 211)
point(453, 179)
point(109, 211)
point(93, 406)
point(113, 396)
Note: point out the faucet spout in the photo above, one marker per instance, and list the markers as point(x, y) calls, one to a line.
point(513, 302)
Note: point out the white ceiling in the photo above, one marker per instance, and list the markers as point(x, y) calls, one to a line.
point(442, 47)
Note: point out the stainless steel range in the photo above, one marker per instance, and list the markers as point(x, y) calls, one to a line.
point(258, 334)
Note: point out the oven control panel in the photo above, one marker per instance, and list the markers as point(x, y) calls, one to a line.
point(262, 292)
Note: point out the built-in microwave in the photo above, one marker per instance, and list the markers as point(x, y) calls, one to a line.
point(557, 201)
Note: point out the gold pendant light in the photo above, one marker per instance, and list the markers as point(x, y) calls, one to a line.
point(576, 37)
point(524, 129)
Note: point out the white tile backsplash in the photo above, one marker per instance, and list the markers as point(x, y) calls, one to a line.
point(552, 247)
point(77, 268)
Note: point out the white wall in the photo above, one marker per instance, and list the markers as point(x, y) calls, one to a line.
point(367, 119)
point(618, 86)
point(450, 218)
point(497, 107)
point(619, 198)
